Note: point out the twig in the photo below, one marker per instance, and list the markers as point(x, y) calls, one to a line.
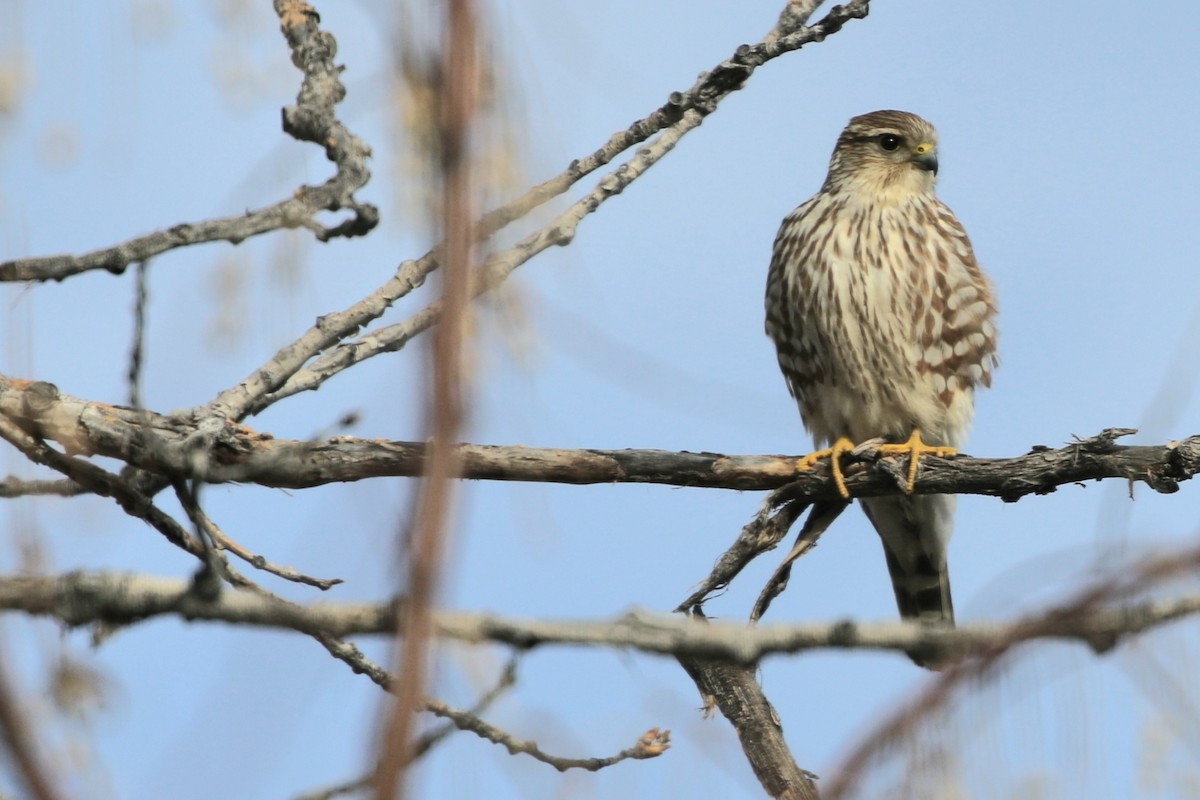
point(221, 541)
point(819, 519)
point(348, 787)
point(349, 654)
point(653, 743)
point(507, 679)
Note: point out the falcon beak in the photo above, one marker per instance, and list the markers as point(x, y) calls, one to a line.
point(925, 157)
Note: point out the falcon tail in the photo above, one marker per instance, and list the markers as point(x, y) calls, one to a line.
point(924, 594)
point(915, 531)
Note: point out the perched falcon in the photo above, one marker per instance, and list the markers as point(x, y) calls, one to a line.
point(884, 326)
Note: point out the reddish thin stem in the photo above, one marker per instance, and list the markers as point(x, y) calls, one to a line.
point(430, 525)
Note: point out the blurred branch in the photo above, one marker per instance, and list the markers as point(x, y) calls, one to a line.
point(11, 487)
point(20, 744)
point(112, 598)
point(1104, 629)
point(312, 119)
point(424, 541)
point(137, 352)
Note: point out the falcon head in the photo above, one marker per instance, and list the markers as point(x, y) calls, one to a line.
point(885, 152)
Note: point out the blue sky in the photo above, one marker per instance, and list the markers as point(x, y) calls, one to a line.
point(1067, 151)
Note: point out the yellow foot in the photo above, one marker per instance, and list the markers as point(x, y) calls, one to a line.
point(914, 448)
point(834, 455)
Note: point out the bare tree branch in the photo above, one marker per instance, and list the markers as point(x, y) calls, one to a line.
point(220, 541)
point(735, 690)
point(89, 598)
point(492, 273)
point(311, 119)
point(507, 679)
point(101, 482)
point(710, 88)
point(164, 445)
point(764, 532)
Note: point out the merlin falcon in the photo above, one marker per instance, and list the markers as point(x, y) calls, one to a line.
point(884, 326)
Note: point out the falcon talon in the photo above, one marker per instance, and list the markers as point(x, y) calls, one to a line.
point(914, 448)
point(834, 454)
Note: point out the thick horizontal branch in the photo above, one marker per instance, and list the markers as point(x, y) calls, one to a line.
point(163, 445)
point(91, 598)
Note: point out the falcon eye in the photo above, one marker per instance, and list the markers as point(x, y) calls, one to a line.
point(889, 141)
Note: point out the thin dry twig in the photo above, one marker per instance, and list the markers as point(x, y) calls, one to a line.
point(651, 744)
point(774, 519)
point(428, 740)
point(220, 541)
point(819, 519)
point(507, 679)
